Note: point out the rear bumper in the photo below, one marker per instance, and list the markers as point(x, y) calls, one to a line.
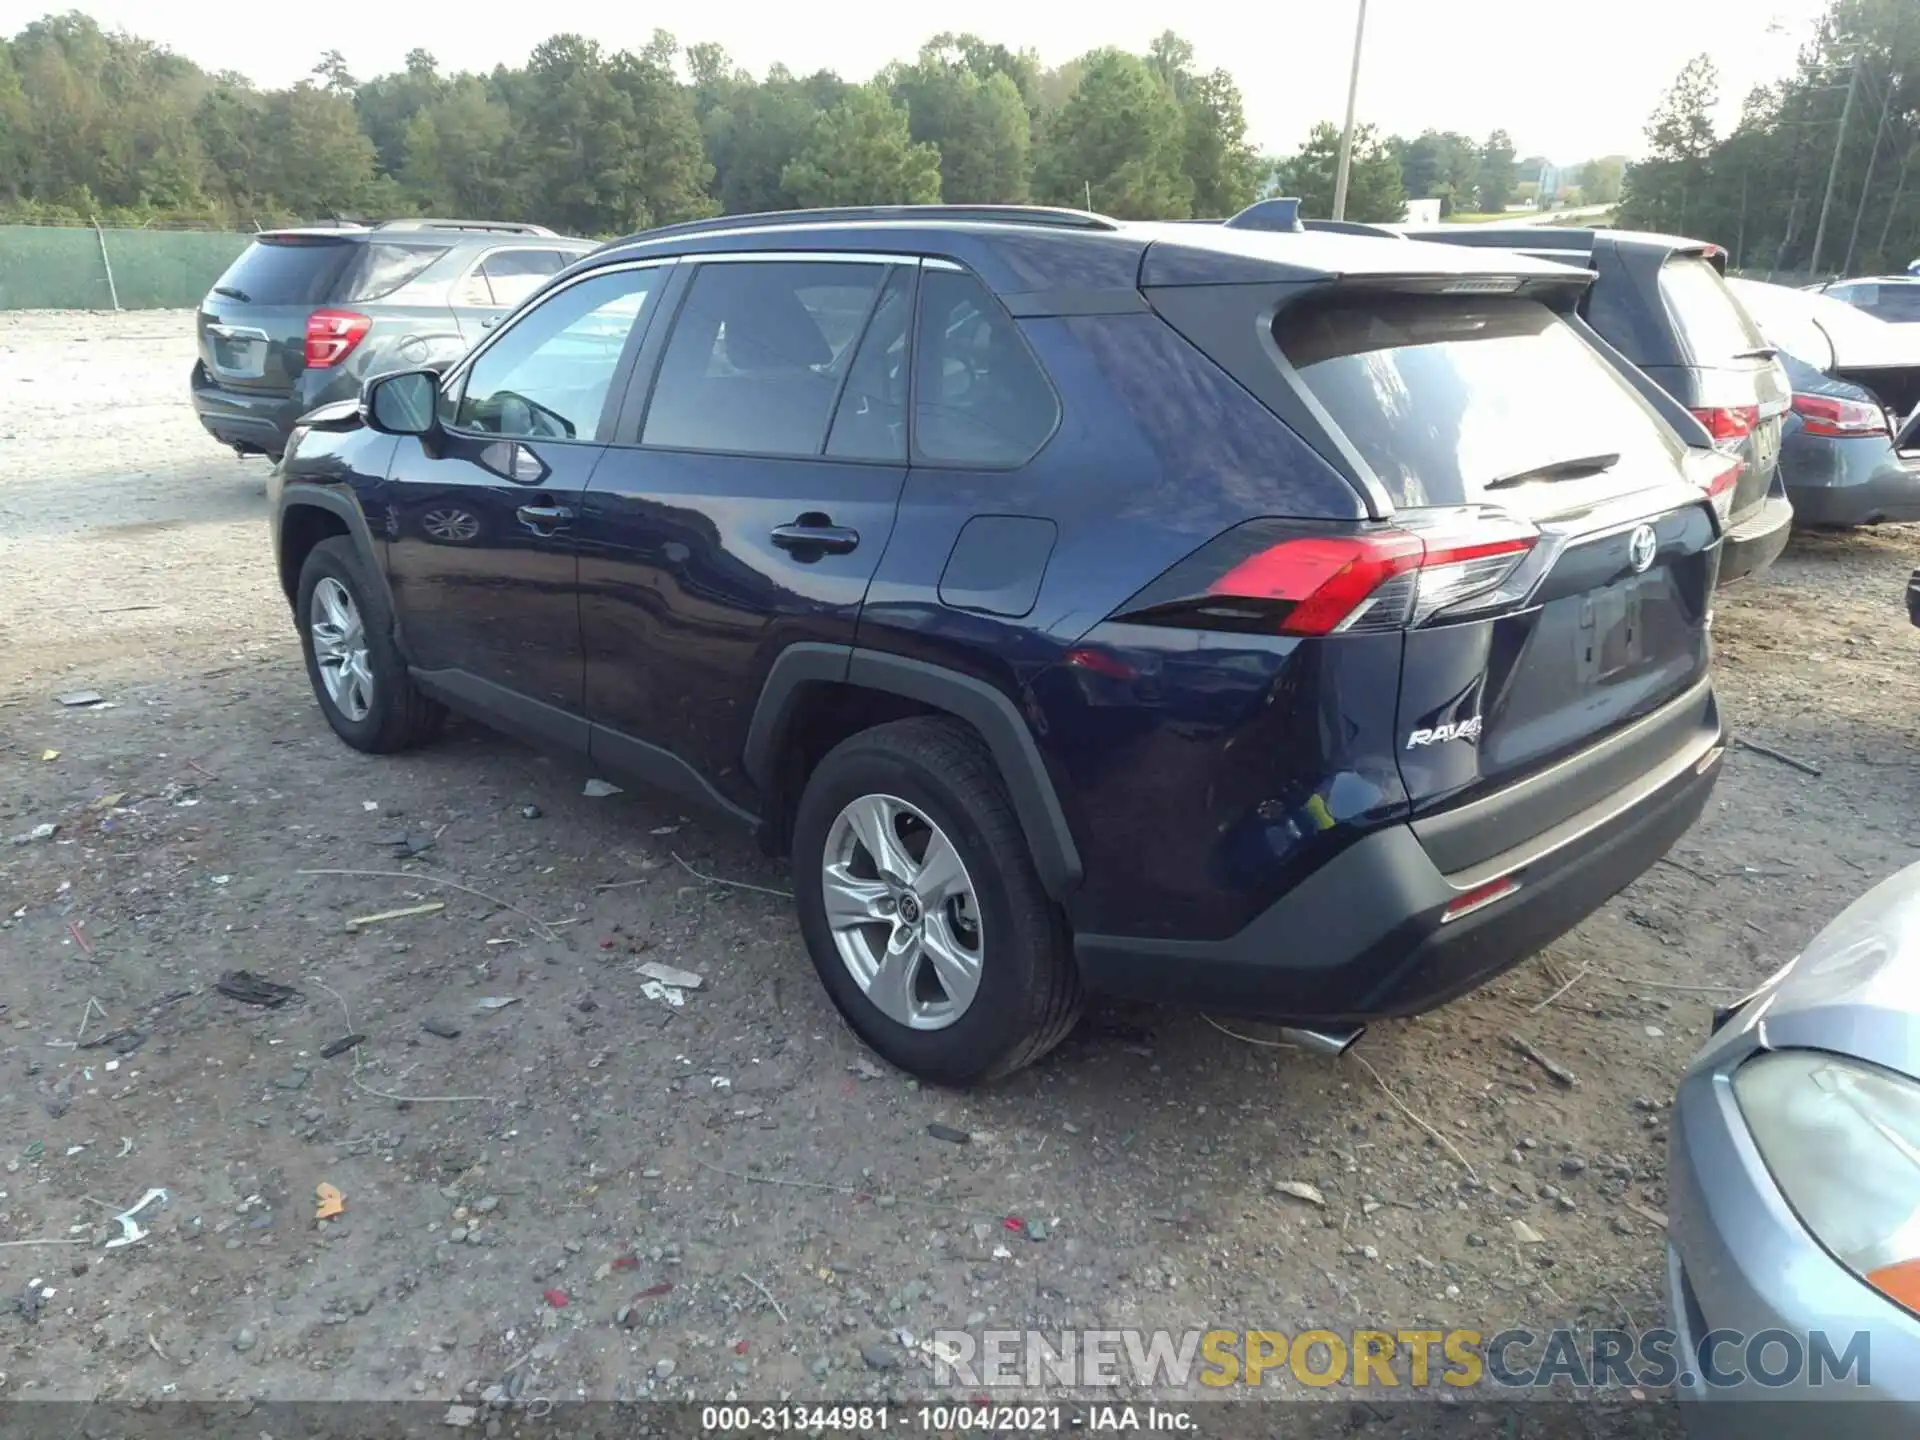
point(1756, 538)
point(1364, 937)
point(1887, 494)
point(244, 419)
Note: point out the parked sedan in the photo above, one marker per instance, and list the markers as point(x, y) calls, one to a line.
point(1850, 452)
point(1793, 1203)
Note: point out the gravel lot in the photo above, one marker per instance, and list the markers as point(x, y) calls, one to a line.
point(564, 1160)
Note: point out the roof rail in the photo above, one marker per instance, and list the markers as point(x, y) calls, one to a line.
point(1281, 212)
point(1042, 215)
point(504, 227)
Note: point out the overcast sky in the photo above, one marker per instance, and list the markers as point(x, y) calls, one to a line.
point(1567, 82)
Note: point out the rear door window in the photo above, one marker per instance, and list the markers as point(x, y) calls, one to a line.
point(286, 270)
point(1712, 325)
point(756, 357)
point(507, 277)
point(383, 268)
point(1453, 401)
point(871, 423)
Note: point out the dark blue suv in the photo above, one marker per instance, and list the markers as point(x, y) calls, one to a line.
point(1303, 626)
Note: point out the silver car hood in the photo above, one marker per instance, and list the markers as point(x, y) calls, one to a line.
point(1855, 989)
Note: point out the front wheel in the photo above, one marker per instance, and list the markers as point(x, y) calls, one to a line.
point(357, 673)
point(922, 910)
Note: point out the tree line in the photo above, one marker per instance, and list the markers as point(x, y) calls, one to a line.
point(105, 125)
point(1841, 133)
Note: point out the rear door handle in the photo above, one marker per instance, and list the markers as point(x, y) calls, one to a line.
point(825, 539)
point(545, 518)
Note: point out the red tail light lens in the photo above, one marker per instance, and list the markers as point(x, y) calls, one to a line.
point(1730, 423)
point(1838, 418)
point(331, 336)
point(1377, 580)
point(1717, 474)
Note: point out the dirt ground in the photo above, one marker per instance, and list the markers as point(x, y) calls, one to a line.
point(592, 1193)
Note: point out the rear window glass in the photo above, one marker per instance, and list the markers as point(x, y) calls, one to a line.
point(1898, 303)
point(1711, 321)
point(292, 271)
point(384, 268)
point(1446, 398)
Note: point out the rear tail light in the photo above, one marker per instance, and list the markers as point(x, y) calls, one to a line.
point(1729, 423)
point(1838, 418)
point(1275, 581)
point(331, 336)
point(1717, 473)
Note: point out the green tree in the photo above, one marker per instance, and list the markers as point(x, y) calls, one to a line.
point(1117, 139)
point(754, 135)
point(862, 152)
point(1495, 180)
point(315, 154)
point(1375, 191)
point(1660, 190)
point(387, 105)
point(1600, 179)
point(452, 148)
point(979, 124)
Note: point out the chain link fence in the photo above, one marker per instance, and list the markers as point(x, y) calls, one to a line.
point(74, 267)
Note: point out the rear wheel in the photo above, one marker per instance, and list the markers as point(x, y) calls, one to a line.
point(357, 673)
point(921, 908)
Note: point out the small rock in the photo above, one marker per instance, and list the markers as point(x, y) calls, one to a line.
point(1037, 1230)
point(488, 1204)
point(458, 1234)
point(243, 1339)
point(1654, 1032)
point(1452, 1292)
point(530, 812)
point(1572, 1165)
point(1369, 1252)
point(1301, 1190)
point(878, 1357)
point(948, 1134)
point(663, 1368)
point(1526, 1234)
point(1620, 1226)
point(445, 1029)
point(820, 1366)
point(295, 1079)
point(1476, 1241)
point(624, 1317)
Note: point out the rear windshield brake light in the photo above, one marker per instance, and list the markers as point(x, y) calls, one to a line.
point(1837, 418)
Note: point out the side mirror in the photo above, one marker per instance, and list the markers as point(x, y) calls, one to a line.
point(401, 403)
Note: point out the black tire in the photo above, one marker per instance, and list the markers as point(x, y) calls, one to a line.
point(1029, 993)
point(400, 717)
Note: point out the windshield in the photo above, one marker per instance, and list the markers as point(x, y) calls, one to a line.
point(285, 270)
point(1446, 398)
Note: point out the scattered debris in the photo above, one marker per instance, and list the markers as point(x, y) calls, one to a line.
point(340, 1047)
point(672, 976)
point(126, 1147)
point(421, 878)
point(407, 843)
point(79, 934)
point(1001, 1252)
point(460, 1416)
point(49, 755)
point(125, 1040)
point(1553, 1067)
point(866, 1069)
point(1654, 1032)
point(1805, 767)
point(556, 1298)
point(949, 1134)
point(655, 1290)
point(39, 832)
point(1525, 1234)
point(721, 1082)
point(80, 699)
point(717, 880)
point(767, 1295)
point(1301, 1190)
point(369, 805)
point(530, 812)
point(599, 789)
point(445, 1029)
point(654, 990)
point(486, 1004)
point(130, 1231)
point(1647, 1212)
point(430, 907)
point(251, 989)
point(329, 1202)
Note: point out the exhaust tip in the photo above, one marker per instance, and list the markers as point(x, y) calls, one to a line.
point(1332, 1043)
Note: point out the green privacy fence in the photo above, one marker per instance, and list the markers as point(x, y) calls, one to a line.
point(59, 267)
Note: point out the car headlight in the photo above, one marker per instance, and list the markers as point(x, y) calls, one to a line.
point(1842, 1140)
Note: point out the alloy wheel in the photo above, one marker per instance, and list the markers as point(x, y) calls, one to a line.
point(340, 648)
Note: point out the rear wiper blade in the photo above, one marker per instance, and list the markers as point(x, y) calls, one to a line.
point(1560, 470)
point(233, 294)
point(1759, 352)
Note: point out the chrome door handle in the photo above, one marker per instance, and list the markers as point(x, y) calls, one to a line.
point(826, 539)
point(544, 518)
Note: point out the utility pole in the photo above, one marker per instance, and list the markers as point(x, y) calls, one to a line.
point(1345, 166)
point(1866, 187)
point(1833, 170)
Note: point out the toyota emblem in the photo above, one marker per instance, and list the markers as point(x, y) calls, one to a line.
point(1641, 547)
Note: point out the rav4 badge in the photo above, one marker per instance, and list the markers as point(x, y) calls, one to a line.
point(1439, 734)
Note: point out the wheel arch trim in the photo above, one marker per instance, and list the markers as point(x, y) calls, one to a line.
point(342, 507)
point(989, 710)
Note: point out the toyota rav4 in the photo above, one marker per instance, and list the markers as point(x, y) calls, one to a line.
point(1293, 625)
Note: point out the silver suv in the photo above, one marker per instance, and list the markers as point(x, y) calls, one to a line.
point(304, 316)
